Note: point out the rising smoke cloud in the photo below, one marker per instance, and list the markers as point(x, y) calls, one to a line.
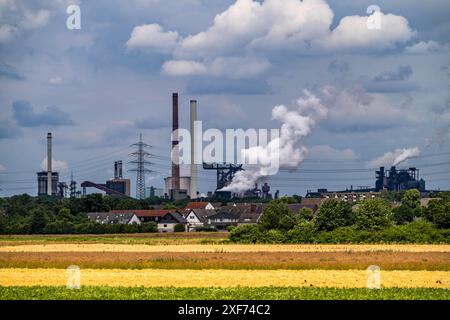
point(395, 157)
point(287, 148)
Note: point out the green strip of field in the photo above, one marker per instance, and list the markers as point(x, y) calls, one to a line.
point(243, 293)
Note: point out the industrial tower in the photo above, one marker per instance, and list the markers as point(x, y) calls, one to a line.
point(140, 161)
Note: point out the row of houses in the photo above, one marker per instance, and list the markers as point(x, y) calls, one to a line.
point(196, 215)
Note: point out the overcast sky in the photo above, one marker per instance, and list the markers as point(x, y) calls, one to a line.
point(97, 88)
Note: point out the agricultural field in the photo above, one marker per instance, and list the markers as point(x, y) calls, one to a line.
point(208, 266)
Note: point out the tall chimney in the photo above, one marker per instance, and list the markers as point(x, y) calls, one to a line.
point(175, 151)
point(193, 185)
point(49, 163)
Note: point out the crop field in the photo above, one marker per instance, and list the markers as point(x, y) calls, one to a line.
point(207, 266)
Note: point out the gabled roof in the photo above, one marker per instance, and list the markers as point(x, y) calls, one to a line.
point(175, 215)
point(224, 214)
point(197, 205)
point(202, 214)
point(145, 213)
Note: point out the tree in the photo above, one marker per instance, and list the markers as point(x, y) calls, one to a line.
point(411, 199)
point(277, 215)
point(403, 214)
point(373, 214)
point(306, 214)
point(332, 214)
point(38, 221)
point(438, 212)
point(246, 233)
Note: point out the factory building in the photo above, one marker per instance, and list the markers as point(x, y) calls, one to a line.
point(48, 180)
point(42, 179)
point(182, 192)
point(119, 184)
point(398, 179)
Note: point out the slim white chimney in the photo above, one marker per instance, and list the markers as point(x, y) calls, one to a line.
point(193, 186)
point(49, 163)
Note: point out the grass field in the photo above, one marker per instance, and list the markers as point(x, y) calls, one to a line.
point(243, 293)
point(208, 266)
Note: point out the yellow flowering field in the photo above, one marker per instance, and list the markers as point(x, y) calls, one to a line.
point(224, 278)
point(101, 247)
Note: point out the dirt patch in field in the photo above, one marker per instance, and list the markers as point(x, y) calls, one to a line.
point(229, 260)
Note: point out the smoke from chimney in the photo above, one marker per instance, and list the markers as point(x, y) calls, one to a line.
point(296, 125)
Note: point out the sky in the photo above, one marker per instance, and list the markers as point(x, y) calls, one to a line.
point(385, 86)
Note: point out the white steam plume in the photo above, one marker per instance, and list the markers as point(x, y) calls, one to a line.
point(395, 157)
point(296, 124)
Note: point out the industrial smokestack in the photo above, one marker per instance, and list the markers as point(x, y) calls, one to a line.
point(49, 163)
point(175, 151)
point(193, 186)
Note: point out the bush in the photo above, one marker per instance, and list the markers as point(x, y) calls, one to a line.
point(247, 233)
point(438, 212)
point(179, 227)
point(373, 214)
point(333, 214)
point(303, 232)
point(273, 236)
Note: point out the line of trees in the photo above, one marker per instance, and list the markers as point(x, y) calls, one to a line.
point(369, 221)
point(24, 214)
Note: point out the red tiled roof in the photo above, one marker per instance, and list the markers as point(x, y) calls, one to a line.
point(145, 213)
point(196, 205)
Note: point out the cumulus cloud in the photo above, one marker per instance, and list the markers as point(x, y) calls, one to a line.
point(16, 18)
point(396, 157)
point(423, 47)
point(9, 130)
point(230, 67)
point(328, 152)
point(338, 67)
point(249, 27)
point(352, 33)
point(25, 116)
point(57, 165)
point(152, 36)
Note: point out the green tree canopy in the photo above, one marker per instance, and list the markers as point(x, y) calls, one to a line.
point(277, 215)
point(373, 214)
point(332, 214)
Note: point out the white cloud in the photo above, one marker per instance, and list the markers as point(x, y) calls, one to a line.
point(230, 67)
point(152, 36)
point(183, 68)
point(353, 33)
point(55, 80)
point(248, 27)
point(423, 47)
point(328, 152)
point(57, 165)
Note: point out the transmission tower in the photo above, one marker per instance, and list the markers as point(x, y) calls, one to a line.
point(140, 161)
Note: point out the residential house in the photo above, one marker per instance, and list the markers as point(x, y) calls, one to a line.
point(197, 218)
point(199, 205)
point(224, 218)
point(169, 220)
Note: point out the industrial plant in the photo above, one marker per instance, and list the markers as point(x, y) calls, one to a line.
point(178, 187)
